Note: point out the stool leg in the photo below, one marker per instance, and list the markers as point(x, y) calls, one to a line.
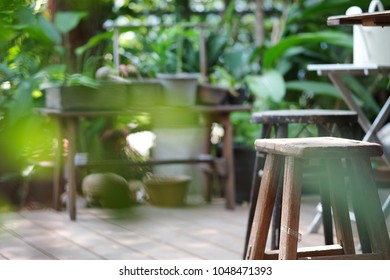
point(289, 229)
point(338, 192)
point(324, 210)
point(281, 132)
point(277, 213)
point(374, 217)
point(264, 206)
point(324, 130)
point(265, 133)
point(253, 197)
point(358, 211)
point(326, 214)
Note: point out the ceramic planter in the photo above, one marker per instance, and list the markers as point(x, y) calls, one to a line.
point(179, 89)
point(147, 92)
point(109, 96)
point(212, 95)
point(167, 191)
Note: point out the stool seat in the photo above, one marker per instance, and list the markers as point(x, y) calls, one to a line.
point(313, 116)
point(346, 169)
point(318, 147)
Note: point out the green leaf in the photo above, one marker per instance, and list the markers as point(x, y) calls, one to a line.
point(361, 92)
point(21, 105)
point(93, 42)
point(317, 88)
point(24, 17)
point(235, 59)
point(80, 79)
point(66, 21)
point(270, 85)
point(305, 39)
point(47, 30)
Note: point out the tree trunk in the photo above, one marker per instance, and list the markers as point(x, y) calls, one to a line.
point(259, 28)
point(98, 12)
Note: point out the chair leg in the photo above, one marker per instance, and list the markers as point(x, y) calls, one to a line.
point(264, 207)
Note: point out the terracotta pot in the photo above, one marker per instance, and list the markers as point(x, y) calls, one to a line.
point(167, 191)
point(212, 95)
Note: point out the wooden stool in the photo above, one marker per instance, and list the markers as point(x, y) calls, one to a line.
point(328, 123)
point(347, 170)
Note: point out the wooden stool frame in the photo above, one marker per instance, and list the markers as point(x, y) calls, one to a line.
point(326, 122)
point(353, 156)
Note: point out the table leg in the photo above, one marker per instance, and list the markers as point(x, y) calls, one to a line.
point(362, 119)
point(227, 151)
point(71, 186)
point(348, 98)
point(379, 121)
point(58, 168)
point(386, 207)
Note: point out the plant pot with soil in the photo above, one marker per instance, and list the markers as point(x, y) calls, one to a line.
point(167, 191)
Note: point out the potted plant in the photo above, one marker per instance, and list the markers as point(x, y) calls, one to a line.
point(159, 53)
point(68, 90)
point(180, 86)
point(79, 92)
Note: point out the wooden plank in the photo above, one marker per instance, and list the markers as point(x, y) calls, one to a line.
point(13, 247)
point(143, 232)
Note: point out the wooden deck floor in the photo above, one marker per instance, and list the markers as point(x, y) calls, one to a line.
point(209, 232)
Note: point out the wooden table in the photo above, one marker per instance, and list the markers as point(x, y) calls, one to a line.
point(334, 71)
point(366, 19)
point(67, 123)
point(380, 19)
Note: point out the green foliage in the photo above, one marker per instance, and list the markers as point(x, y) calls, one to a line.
point(244, 130)
point(67, 21)
point(315, 87)
point(32, 55)
point(275, 72)
point(282, 50)
point(270, 85)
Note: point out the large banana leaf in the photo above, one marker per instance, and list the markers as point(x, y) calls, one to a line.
point(270, 85)
point(66, 21)
point(338, 38)
point(313, 87)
